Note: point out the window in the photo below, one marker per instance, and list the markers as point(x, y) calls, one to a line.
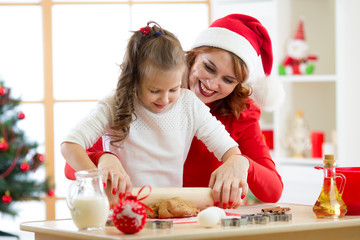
point(60, 57)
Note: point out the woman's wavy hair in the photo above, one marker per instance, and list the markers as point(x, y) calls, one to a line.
point(149, 48)
point(236, 101)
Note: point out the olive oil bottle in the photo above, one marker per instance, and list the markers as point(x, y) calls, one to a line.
point(330, 204)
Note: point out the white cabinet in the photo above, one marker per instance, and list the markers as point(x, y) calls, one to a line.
point(315, 95)
point(332, 34)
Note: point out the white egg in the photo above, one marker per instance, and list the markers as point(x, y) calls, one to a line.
point(211, 216)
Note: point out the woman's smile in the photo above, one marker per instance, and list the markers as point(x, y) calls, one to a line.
point(212, 76)
point(204, 90)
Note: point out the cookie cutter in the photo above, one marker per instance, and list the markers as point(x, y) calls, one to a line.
point(160, 224)
point(234, 222)
point(277, 217)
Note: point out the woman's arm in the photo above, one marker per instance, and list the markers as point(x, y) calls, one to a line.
point(229, 180)
point(263, 179)
point(228, 183)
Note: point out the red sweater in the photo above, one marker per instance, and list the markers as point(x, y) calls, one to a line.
point(263, 179)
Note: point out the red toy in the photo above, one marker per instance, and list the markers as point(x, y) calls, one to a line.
point(298, 59)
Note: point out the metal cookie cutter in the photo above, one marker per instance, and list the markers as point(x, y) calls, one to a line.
point(234, 222)
point(230, 222)
point(280, 217)
point(261, 219)
point(159, 224)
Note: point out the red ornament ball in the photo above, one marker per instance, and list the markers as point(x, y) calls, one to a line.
point(41, 158)
point(21, 115)
point(24, 167)
point(129, 215)
point(51, 192)
point(3, 146)
point(6, 199)
point(2, 91)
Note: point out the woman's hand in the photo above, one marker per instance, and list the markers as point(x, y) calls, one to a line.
point(115, 179)
point(229, 182)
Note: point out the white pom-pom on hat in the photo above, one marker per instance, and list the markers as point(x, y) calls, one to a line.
point(268, 93)
point(247, 38)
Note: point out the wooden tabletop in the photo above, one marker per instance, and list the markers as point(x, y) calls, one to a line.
point(304, 225)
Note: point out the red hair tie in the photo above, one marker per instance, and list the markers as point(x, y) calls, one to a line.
point(145, 30)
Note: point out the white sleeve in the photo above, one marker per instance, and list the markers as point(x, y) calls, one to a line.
point(94, 125)
point(211, 131)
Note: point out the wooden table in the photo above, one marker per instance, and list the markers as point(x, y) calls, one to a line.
point(304, 225)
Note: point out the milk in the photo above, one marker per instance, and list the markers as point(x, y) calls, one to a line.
point(90, 212)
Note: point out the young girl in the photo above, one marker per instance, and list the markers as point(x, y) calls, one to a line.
point(149, 121)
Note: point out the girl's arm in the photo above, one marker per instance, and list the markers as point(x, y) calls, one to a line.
point(95, 153)
point(115, 178)
point(76, 156)
point(84, 135)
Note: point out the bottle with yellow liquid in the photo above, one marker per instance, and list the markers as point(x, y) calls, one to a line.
point(330, 203)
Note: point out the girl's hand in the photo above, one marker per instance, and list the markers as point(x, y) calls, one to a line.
point(229, 182)
point(115, 179)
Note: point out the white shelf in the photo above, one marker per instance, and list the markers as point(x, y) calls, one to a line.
point(311, 162)
point(308, 78)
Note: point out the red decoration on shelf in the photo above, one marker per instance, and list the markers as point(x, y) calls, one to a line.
point(51, 192)
point(269, 138)
point(317, 140)
point(129, 214)
point(24, 167)
point(21, 115)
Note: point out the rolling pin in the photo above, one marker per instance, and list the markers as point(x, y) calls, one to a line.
point(202, 197)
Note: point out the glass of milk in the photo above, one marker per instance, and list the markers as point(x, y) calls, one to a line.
point(87, 201)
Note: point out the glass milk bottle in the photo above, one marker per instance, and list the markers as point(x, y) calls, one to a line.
point(87, 201)
point(330, 203)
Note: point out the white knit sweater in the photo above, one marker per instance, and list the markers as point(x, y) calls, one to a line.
point(156, 148)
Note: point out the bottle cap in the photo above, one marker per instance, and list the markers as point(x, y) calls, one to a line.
point(329, 161)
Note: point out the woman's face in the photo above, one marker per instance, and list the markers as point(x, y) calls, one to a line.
point(212, 76)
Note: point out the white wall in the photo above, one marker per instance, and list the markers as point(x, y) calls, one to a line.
point(348, 115)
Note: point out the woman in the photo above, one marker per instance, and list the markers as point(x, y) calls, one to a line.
point(233, 50)
point(235, 40)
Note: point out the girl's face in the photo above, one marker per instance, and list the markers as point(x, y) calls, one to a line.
point(212, 76)
point(158, 89)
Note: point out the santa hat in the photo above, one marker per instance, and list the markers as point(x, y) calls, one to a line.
point(300, 31)
point(247, 38)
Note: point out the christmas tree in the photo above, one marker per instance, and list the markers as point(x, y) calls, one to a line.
point(19, 159)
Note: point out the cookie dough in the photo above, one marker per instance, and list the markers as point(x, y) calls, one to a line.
point(172, 208)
